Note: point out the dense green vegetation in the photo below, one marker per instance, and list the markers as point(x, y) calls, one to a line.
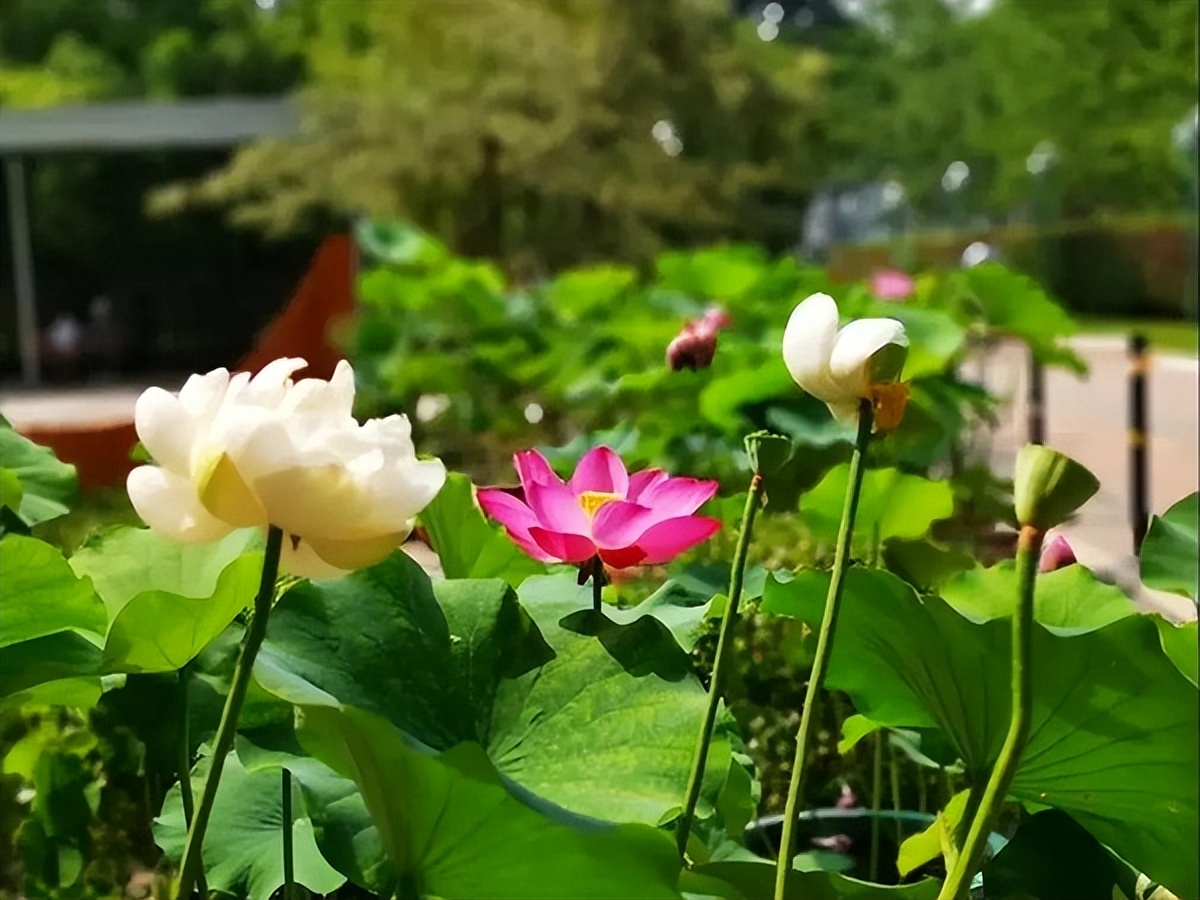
point(141, 633)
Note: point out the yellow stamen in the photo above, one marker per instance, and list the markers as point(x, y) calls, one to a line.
point(889, 400)
point(591, 501)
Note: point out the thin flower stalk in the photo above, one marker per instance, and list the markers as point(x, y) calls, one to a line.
point(958, 881)
point(189, 867)
point(737, 575)
point(185, 767)
point(289, 857)
point(824, 649)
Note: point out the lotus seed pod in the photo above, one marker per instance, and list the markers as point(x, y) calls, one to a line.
point(1048, 486)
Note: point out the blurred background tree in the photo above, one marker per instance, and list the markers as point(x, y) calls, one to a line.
point(545, 134)
point(919, 84)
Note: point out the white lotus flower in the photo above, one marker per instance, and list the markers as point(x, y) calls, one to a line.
point(237, 452)
point(844, 367)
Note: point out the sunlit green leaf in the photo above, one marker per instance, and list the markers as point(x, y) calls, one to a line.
point(722, 401)
point(1171, 549)
point(47, 486)
point(466, 544)
point(1014, 304)
point(243, 847)
point(746, 880)
point(452, 828)
point(893, 504)
point(41, 593)
point(567, 708)
point(938, 840)
point(1066, 601)
point(167, 600)
point(716, 273)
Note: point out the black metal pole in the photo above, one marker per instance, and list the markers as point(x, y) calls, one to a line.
point(1037, 400)
point(1139, 482)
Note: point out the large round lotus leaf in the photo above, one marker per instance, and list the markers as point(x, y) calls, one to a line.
point(1069, 600)
point(243, 846)
point(1114, 723)
point(1171, 550)
point(466, 544)
point(893, 504)
point(751, 879)
point(41, 485)
point(597, 715)
point(41, 593)
point(167, 601)
point(452, 828)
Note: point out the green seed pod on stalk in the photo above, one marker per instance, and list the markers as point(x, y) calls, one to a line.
point(768, 453)
point(1048, 486)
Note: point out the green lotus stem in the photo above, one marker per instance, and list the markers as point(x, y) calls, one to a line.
point(876, 802)
point(227, 730)
point(894, 781)
point(736, 579)
point(598, 586)
point(289, 862)
point(185, 767)
point(958, 881)
point(970, 808)
point(816, 680)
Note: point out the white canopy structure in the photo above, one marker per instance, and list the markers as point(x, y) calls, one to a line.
point(115, 127)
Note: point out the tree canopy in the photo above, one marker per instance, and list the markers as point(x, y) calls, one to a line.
point(540, 133)
point(544, 134)
point(1104, 81)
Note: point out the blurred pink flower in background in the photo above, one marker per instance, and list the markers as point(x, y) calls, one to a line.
point(1057, 554)
point(892, 284)
point(694, 346)
point(603, 511)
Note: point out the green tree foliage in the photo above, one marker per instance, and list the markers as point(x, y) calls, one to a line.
point(526, 131)
point(926, 83)
point(62, 51)
point(540, 133)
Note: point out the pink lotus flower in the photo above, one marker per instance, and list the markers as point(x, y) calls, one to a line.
point(892, 284)
point(694, 346)
point(1057, 554)
point(602, 512)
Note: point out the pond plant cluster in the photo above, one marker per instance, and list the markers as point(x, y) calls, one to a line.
point(741, 623)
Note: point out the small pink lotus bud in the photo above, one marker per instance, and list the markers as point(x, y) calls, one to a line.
point(1057, 554)
point(694, 346)
point(892, 284)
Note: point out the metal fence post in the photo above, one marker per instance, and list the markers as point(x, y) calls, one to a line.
point(1037, 400)
point(1139, 482)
